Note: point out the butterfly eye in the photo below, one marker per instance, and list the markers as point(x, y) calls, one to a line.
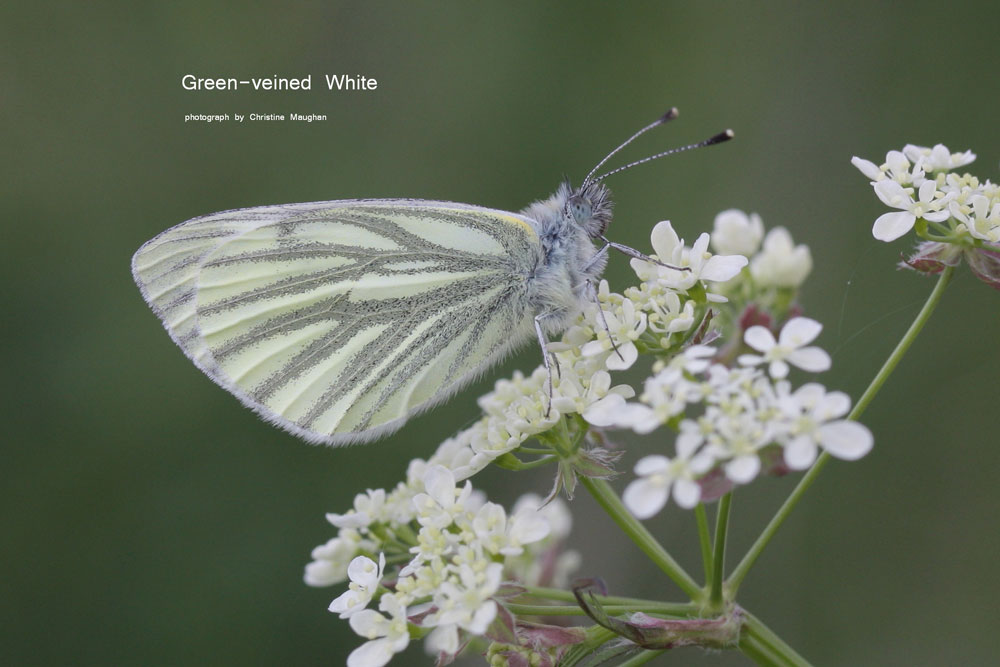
point(581, 210)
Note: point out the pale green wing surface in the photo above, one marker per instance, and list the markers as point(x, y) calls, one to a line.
point(338, 320)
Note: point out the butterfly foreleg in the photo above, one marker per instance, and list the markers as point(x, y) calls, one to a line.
point(591, 292)
point(632, 252)
point(544, 343)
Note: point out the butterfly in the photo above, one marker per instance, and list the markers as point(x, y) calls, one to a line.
point(339, 320)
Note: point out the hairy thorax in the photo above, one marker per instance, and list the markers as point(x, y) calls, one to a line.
point(558, 289)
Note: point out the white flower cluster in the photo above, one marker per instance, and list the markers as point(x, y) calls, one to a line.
point(919, 182)
point(449, 548)
point(658, 313)
point(775, 260)
point(746, 415)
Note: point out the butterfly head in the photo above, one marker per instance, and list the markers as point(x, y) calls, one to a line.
point(590, 207)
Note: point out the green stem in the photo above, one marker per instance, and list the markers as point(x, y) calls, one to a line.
point(612, 504)
point(560, 595)
point(533, 450)
point(705, 540)
point(719, 559)
point(545, 460)
point(682, 610)
point(640, 659)
point(736, 578)
point(766, 648)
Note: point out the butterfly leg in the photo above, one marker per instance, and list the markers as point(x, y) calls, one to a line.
point(596, 258)
point(544, 343)
point(632, 252)
point(592, 292)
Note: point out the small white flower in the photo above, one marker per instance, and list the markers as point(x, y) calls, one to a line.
point(890, 226)
point(694, 359)
point(555, 513)
point(737, 439)
point(367, 508)
point(938, 158)
point(331, 560)
point(667, 311)
point(365, 576)
point(387, 636)
point(605, 412)
point(813, 423)
point(442, 502)
point(868, 168)
point(499, 535)
point(702, 264)
point(661, 477)
point(736, 233)
point(781, 263)
point(624, 327)
point(788, 349)
point(576, 392)
point(984, 223)
point(443, 639)
point(518, 408)
point(458, 455)
point(896, 168)
point(465, 601)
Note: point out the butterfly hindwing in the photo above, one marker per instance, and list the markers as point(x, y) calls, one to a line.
point(338, 320)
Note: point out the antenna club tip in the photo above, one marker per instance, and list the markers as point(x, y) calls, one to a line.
point(720, 137)
point(672, 113)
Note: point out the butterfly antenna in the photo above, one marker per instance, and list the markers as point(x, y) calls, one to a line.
point(670, 115)
point(711, 141)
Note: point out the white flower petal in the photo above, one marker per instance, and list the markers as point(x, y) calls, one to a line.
point(639, 418)
point(750, 359)
point(937, 216)
point(926, 191)
point(868, 168)
point(482, 618)
point(629, 354)
point(812, 359)
point(529, 526)
point(443, 639)
point(644, 498)
point(800, 453)
point(721, 268)
point(743, 469)
point(440, 485)
point(778, 369)
point(363, 570)
point(687, 493)
point(759, 338)
point(368, 622)
point(371, 654)
point(892, 194)
point(650, 465)
point(799, 331)
point(664, 239)
point(605, 412)
point(890, 226)
point(833, 405)
point(846, 439)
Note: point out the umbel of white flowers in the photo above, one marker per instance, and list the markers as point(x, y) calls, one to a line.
point(958, 215)
point(450, 549)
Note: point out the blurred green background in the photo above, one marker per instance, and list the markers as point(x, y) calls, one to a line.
point(147, 518)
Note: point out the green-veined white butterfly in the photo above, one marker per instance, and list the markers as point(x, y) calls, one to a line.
point(339, 320)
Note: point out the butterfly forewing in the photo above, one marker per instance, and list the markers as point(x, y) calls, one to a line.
point(338, 320)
